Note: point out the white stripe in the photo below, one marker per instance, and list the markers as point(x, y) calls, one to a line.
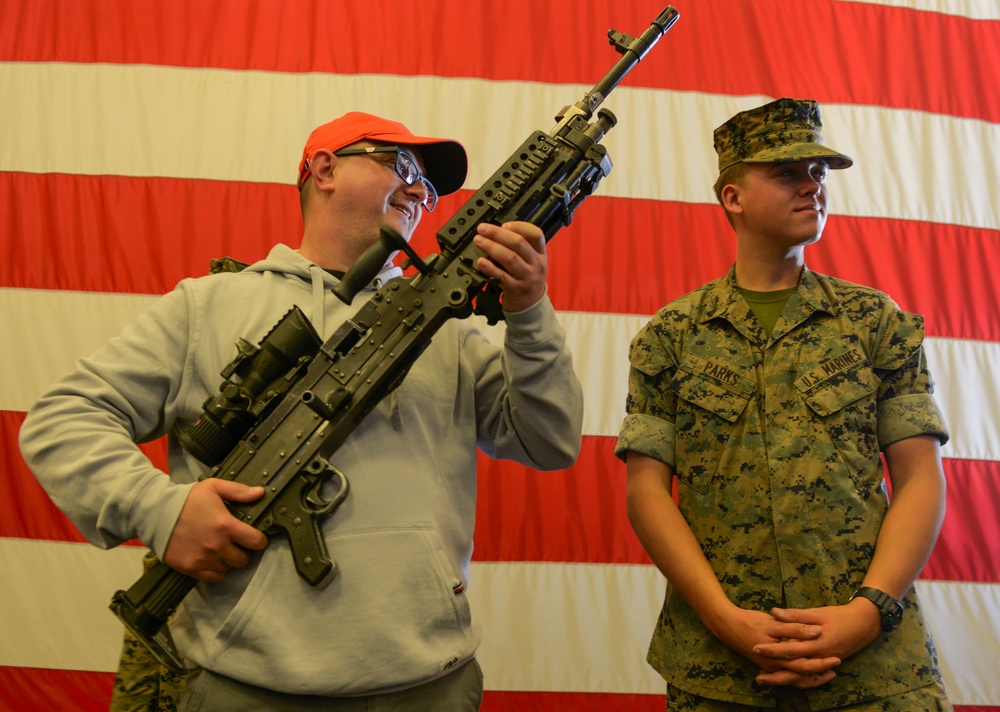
point(968, 391)
point(235, 126)
point(599, 618)
point(43, 333)
point(76, 324)
point(567, 627)
point(963, 621)
point(972, 9)
point(54, 603)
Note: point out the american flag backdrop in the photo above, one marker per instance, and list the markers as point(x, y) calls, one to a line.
point(141, 138)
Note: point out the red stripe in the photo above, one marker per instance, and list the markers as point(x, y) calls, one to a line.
point(633, 256)
point(496, 701)
point(34, 689)
point(573, 515)
point(26, 512)
point(576, 515)
point(134, 235)
point(619, 255)
point(37, 689)
point(968, 548)
point(945, 272)
point(872, 54)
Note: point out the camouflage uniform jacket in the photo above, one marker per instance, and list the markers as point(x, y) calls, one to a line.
point(775, 442)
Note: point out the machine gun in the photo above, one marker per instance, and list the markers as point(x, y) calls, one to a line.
point(289, 403)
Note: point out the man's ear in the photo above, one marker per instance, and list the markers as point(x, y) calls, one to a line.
point(321, 168)
point(730, 199)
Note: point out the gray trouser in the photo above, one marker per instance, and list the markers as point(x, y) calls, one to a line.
point(458, 691)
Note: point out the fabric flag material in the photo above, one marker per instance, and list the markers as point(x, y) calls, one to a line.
point(139, 140)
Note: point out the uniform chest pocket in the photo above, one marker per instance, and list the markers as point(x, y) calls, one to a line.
point(843, 393)
point(837, 383)
point(713, 387)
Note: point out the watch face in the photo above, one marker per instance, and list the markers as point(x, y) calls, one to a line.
point(893, 617)
point(890, 610)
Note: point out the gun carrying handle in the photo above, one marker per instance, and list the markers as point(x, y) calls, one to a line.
point(373, 260)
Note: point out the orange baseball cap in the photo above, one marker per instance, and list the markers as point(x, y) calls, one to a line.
point(445, 160)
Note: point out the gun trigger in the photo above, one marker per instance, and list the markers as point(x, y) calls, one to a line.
point(488, 304)
point(314, 498)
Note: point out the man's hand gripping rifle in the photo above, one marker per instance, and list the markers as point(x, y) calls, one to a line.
point(287, 405)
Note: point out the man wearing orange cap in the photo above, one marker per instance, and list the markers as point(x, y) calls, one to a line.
point(393, 629)
point(768, 396)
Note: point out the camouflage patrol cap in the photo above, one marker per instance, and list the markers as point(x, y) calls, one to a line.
point(783, 131)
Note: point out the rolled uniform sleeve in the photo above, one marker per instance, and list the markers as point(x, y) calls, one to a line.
point(648, 427)
point(907, 407)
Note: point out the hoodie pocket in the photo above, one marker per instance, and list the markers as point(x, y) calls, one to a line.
point(395, 613)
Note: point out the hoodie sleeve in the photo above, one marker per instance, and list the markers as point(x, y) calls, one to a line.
point(79, 439)
point(529, 399)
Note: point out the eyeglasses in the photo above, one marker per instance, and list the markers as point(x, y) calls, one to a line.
point(406, 168)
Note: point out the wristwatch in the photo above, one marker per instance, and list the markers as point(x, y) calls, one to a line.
point(889, 608)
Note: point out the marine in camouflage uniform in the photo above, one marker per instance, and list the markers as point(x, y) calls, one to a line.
point(774, 437)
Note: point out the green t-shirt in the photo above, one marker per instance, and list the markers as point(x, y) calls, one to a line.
point(767, 306)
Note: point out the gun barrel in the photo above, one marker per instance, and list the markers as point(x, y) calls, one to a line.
point(631, 55)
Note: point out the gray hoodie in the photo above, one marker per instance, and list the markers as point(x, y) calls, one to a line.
point(396, 614)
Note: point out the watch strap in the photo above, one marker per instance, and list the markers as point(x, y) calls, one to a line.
point(890, 610)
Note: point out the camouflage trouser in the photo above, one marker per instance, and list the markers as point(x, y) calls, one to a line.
point(931, 698)
point(142, 684)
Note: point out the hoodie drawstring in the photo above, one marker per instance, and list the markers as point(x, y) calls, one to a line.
point(318, 299)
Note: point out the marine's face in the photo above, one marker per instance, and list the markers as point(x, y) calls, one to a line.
point(786, 202)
